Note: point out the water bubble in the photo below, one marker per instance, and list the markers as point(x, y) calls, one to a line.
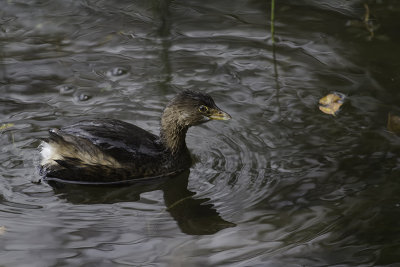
point(66, 89)
point(83, 97)
point(117, 72)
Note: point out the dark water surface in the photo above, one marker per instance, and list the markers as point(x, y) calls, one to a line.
point(282, 184)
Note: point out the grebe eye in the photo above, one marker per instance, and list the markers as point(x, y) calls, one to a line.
point(203, 109)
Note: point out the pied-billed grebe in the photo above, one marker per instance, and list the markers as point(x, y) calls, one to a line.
point(108, 151)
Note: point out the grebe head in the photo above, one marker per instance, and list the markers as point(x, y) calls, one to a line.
point(187, 109)
point(190, 108)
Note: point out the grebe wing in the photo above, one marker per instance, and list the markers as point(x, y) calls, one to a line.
point(121, 140)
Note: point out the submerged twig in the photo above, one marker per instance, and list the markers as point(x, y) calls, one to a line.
point(367, 22)
point(177, 202)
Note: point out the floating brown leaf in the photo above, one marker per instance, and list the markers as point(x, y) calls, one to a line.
point(330, 104)
point(393, 124)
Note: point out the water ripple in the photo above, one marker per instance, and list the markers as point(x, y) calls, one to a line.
point(281, 184)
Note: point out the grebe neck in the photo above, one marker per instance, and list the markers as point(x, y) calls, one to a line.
point(173, 131)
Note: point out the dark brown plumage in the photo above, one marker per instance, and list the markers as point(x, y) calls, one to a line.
point(110, 151)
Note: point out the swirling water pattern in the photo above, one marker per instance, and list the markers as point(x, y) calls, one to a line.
point(281, 184)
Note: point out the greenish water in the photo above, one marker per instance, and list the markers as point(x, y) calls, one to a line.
point(281, 184)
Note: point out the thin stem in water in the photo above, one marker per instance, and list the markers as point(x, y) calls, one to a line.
point(272, 21)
